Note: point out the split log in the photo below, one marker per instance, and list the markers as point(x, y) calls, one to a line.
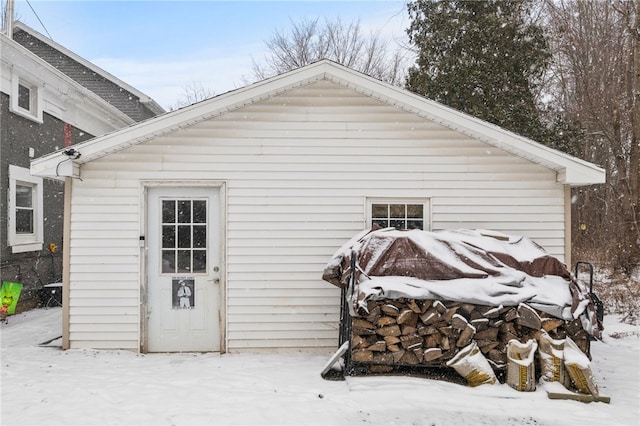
point(465, 336)
point(385, 321)
point(432, 354)
point(551, 324)
point(379, 346)
point(459, 322)
point(408, 317)
point(390, 310)
point(362, 355)
point(410, 341)
point(431, 316)
point(363, 323)
point(391, 340)
point(374, 314)
point(413, 305)
point(528, 317)
point(511, 314)
point(391, 330)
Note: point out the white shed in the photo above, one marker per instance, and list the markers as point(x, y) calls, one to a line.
point(243, 198)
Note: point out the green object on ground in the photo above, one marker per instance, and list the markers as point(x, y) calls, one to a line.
point(9, 295)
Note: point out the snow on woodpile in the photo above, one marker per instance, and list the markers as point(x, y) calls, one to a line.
point(470, 266)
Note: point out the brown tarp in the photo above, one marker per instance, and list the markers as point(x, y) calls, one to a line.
point(449, 256)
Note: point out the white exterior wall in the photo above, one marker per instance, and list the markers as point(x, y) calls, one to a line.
point(298, 168)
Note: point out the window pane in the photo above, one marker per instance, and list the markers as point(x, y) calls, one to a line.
point(24, 196)
point(398, 224)
point(24, 97)
point(379, 210)
point(184, 211)
point(184, 261)
point(415, 224)
point(382, 223)
point(168, 236)
point(199, 261)
point(169, 261)
point(24, 221)
point(184, 236)
point(414, 211)
point(396, 210)
point(168, 211)
point(199, 236)
point(200, 211)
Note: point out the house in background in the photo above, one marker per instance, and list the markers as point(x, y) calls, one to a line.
point(244, 198)
point(50, 99)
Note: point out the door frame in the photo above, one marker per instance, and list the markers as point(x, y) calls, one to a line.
point(144, 203)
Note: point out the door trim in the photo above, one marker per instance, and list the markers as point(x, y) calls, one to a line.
point(144, 187)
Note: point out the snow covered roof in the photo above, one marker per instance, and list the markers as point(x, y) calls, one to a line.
point(570, 170)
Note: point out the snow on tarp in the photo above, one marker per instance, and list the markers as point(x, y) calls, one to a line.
point(471, 266)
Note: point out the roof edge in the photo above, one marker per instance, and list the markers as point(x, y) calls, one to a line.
point(570, 170)
point(145, 99)
point(476, 128)
point(83, 91)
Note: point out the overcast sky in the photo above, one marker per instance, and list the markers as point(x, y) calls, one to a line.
point(160, 47)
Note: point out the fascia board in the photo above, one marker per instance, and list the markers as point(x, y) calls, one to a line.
point(582, 177)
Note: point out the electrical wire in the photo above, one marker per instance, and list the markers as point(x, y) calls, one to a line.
point(39, 20)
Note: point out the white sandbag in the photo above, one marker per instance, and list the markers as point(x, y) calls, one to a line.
point(551, 352)
point(471, 364)
point(521, 371)
point(579, 368)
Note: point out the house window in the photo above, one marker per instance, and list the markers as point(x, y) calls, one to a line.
point(25, 211)
point(24, 208)
point(399, 214)
point(26, 99)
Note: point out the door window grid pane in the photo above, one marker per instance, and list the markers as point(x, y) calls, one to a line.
point(399, 216)
point(184, 236)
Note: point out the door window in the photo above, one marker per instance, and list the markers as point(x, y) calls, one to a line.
point(184, 236)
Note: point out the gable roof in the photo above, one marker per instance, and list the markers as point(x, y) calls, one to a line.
point(123, 96)
point(570, 170)
point(63, 97)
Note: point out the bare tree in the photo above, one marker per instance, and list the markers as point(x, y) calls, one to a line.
point(309, 41)
point(193, 92)
point(596, 81)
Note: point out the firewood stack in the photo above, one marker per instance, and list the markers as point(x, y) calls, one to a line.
point(410, 332)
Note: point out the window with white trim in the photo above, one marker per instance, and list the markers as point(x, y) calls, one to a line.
point(26, 98)
point(399, 213)
point(25, 214)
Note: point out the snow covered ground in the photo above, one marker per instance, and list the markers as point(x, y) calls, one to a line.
point(48, 386)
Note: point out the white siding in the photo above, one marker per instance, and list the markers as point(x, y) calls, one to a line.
point(298, 168)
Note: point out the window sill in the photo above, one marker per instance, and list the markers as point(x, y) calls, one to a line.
point(23, 248)
point(27, 114)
